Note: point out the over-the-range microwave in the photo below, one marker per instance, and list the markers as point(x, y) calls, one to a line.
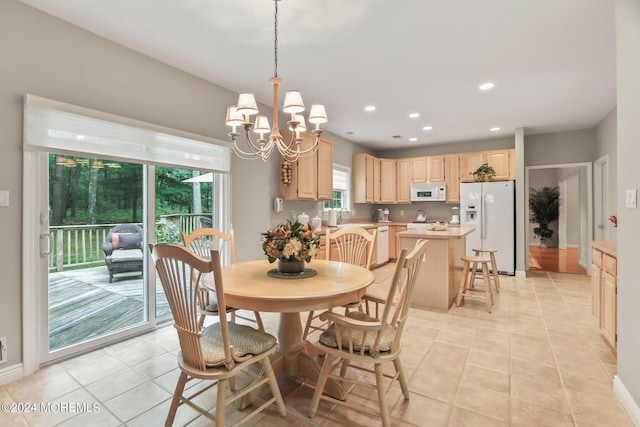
point(428, 192)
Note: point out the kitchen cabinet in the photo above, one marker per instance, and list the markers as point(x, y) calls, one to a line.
point(596, 287)
point(499, 160)
point(502, 161)
point(436, 169)
point(469, 162)
point(325, 169)
point(428, 169)
point(310, 177)
point(376, 180)
point(452, 178)
point(403, 179)
point(362, 169)
point(388, 181)
point(419, 169)
point(605, 289)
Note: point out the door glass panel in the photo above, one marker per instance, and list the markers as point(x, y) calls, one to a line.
point(184, 202)
point(96, 283)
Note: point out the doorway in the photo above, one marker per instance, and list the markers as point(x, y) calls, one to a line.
point(569, 248)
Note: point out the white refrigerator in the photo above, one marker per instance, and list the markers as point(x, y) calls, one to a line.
point(489, 207)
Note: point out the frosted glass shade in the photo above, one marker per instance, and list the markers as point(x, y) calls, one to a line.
point(293, 102)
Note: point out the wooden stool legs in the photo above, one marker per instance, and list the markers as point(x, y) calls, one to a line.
point(466, 285)
point(494, 266)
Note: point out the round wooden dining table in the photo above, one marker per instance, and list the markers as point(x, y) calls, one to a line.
point(247, 286)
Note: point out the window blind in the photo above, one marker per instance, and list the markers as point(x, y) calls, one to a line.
point(58, 127)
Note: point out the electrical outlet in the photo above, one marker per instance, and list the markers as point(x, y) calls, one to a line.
point(3, 350)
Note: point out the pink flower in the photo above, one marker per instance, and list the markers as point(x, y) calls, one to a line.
point(614, 220)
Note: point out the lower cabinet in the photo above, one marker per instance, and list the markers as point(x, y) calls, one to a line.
point(604, 284)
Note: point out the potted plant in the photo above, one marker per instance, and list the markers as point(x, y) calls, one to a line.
point(483, 173)
point(544, 206)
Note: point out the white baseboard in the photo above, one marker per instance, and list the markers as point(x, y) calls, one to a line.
point(627, 401)
point(11, 373)
point(521, 274)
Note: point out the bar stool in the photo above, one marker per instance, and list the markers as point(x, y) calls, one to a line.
point(466, 285)
point(494, 266)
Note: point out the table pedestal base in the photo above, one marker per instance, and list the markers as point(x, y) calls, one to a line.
point(296, 358)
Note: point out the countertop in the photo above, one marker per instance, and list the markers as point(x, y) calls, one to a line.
point(609, 247)
point(449, 233)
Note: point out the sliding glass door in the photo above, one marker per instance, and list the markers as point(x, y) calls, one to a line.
point(98, 188)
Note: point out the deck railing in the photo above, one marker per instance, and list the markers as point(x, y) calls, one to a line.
point(78, 246)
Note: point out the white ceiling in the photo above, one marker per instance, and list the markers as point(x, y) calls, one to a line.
point(552, 61)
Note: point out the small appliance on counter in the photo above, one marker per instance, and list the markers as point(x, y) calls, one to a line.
point(421, 216)
point(455, 217)
point(382, 215)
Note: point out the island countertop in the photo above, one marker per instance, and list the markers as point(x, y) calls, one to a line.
point(449, 233)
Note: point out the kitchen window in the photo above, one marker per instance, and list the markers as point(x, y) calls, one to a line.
point(341, 197)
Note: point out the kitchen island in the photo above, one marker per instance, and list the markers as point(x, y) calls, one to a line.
point(439, 278)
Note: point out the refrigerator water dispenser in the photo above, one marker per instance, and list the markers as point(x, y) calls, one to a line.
point(471, 214)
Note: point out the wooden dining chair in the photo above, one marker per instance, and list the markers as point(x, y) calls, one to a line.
point(356, 340)
point(353, 245)
point(218, 352)
point(201, 242)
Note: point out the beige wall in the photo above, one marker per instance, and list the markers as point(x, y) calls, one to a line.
point(606, 145)
point(48, 57)
point(560, 147)
point(628, 133)
point(452, 148)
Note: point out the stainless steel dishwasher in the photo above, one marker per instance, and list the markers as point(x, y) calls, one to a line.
point(382, 242)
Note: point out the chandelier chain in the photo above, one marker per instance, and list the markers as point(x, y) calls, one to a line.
point(275, 41)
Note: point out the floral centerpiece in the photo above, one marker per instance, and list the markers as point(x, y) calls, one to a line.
point(291, 243)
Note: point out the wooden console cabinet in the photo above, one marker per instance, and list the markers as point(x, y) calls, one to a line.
point(604, 283)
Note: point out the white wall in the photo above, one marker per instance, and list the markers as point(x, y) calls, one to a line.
point(628, 133)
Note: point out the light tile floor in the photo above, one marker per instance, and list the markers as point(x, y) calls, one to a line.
point(536, 360)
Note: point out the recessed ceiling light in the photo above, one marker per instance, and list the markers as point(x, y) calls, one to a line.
point(486, 86)
point(427, 128)
point(413, 139)
point(496, 129)
point(414, 115)
point(370, 108)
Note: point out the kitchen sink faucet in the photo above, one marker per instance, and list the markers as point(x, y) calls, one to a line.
point(340, 215)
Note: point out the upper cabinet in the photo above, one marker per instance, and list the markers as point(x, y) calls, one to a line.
point(388, 181)
point(427, 169)
point(403, 178)
point(362, 178)
point(502, 161)
point(311, 177)
point(374, 180)
point(452, 181)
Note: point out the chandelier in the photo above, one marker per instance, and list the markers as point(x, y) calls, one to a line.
point(240, 116)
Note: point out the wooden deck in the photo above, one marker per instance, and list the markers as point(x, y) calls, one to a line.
point(83, 304)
